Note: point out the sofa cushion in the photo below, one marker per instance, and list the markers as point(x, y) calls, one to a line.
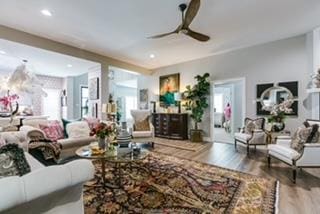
point(242, 136)
point(15, 138)
point(137, 134)
point(13, 161)
point(53, 130)
point(65, 124)
point(78, 129)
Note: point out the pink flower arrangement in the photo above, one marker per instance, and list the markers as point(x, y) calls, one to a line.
point(7, 101)
point(103, 130)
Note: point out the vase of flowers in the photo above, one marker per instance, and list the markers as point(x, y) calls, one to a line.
point(103, 131)
point(278, 113)
point(7, 103)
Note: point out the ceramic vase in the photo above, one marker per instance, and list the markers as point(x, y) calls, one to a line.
point(102, 143)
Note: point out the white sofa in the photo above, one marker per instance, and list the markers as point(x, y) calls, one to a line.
point(54, 189)
point(69, 145)
point(309, 158)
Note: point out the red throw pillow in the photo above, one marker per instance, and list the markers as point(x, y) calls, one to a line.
point(92, 122)
point(53, 130)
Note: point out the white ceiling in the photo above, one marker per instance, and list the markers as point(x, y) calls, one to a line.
point(119, 28)
point(41, 61)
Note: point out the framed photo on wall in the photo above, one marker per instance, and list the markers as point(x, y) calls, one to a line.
point(94, 88)
point(169, 85)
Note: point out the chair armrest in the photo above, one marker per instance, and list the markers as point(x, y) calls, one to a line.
point(54, 178)
point(312, 145)
point(43, 181)
point(310, 155)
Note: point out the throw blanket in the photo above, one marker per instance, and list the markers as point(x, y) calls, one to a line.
point(50, 150)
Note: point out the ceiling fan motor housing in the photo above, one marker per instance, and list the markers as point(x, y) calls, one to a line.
point(183, 7)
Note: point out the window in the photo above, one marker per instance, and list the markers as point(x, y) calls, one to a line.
point(84, 101)
point(130, 103)
point(51, 104)
point(218, 103)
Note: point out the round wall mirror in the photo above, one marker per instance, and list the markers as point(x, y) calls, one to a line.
point(275, 95)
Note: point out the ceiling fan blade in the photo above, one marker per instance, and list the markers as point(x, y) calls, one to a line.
point(163, 35)
point(192, 11)
point(198, 36)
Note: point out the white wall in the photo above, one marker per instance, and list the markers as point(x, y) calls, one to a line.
point(284, 60)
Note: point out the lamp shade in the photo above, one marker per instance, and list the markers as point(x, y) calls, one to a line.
point(104, 108)
point(177, 96)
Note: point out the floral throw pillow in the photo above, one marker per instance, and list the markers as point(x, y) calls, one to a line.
point(304, 135)
point(13, 161)
point(251, 125)
point(53, 130)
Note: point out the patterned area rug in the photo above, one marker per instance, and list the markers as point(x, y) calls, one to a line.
point(184, 145)
point(164, 184)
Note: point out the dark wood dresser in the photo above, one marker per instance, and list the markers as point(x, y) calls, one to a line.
point(171, 125)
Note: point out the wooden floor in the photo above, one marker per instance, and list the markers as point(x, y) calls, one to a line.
point(300, 198)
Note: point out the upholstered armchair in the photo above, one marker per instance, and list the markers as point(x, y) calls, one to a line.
point(142, 130)
point(252, 134)
point(309, 157)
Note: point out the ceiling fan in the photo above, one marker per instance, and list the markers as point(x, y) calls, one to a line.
point(187, 18)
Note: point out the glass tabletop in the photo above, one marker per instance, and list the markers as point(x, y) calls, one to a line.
point(116, 154)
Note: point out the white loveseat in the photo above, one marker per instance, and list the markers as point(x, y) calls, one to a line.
point(54, 189)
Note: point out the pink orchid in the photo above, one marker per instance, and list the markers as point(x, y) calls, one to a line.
point(8, 100)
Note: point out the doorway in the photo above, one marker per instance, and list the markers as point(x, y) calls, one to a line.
point(228, 109)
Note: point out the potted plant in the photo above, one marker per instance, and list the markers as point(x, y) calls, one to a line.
point(196, 98)
point(278, 113)
point(103, 131)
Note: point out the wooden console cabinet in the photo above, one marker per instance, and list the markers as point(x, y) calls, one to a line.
point(170, 125)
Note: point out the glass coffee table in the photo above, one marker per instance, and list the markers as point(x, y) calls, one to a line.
point(133, 153)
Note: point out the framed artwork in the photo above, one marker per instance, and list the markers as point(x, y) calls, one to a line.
point(169, 85)
point(94, 88)
point(143, 98)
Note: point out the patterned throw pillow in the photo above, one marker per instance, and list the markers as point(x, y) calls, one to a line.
point(53, 130)
point(13, 161)
point(251, 125)
point(142, 125)
point(302, 136)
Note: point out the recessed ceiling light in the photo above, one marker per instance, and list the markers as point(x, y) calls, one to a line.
point(2, 52)
point(152, 56)
point(69, 66)
point(46, 12)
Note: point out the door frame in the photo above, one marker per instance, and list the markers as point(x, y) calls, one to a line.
point(244, 98)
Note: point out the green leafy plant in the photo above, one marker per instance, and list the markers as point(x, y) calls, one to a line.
point(197, 98)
